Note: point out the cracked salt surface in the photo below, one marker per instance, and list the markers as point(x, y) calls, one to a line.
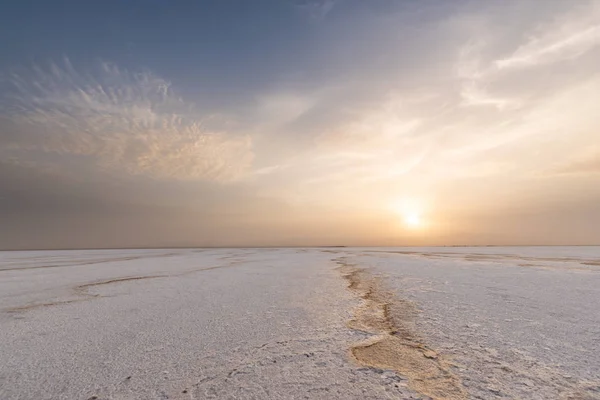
point(273, 323)
point(223, 324)
point(512, 331)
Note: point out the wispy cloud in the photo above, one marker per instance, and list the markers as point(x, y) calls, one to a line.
point(585, 164)
point(473, 93)
point(122, 121)
point(316, 9)
point(563, 39)
point(483, 70)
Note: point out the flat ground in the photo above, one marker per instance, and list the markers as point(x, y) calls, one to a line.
point(338, 323)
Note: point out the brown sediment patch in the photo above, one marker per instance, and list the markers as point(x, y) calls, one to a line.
point(117, 280)
point(494, 257)
point(395, 345)
point(531, 265)
point(559, 268)
point(229, 265)
point(567, 263)
point(595, 263)
point(91, 262)
point(41, 305)
point(82, 293)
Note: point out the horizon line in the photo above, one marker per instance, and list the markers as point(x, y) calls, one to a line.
point(291, 247)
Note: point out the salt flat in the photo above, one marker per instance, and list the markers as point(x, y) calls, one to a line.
point(516, 322)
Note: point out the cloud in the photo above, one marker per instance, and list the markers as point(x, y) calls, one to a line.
point(566, 38)
point(316, 9)
point(121, 121)
point(583, 165)
point(474, 94)
point(489, 77)
point(379, 144)
point(381, 102)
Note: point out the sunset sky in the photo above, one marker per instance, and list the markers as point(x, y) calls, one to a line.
point(335, 122)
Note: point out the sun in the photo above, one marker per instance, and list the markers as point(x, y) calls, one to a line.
point(410, 212)
point(412, 219)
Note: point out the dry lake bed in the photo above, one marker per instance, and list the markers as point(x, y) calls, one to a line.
point(314, 323)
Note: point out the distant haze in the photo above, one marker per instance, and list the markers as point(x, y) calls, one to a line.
point(292, 123)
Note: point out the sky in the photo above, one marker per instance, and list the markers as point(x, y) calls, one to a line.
point(162, 123)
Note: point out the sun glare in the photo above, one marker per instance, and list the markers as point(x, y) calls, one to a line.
point(412, 219)
point(410, 212)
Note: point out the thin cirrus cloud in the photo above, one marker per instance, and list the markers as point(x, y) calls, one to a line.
point(316, 9)
point(120, 121)
point(559, 39)
point(567, 38)
point(586, 164)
